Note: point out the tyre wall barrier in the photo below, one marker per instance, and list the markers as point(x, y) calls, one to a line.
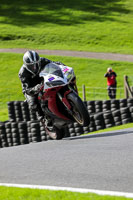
point(23, 126)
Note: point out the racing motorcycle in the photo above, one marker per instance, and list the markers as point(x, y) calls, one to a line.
point(59, 100)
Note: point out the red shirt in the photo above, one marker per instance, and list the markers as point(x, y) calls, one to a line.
point(111, 78)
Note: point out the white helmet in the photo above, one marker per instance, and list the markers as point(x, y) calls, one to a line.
point(32, 62)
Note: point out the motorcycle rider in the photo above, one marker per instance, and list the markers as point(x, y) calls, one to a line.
point(32, 82)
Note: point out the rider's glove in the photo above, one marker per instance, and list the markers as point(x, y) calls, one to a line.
point(38, 88)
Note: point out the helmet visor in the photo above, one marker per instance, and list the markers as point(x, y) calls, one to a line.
point(34, 66)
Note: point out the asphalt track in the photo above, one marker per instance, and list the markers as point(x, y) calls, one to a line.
point(82, 54)
point(97, 161)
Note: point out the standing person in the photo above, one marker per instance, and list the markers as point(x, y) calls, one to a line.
point(111, 83)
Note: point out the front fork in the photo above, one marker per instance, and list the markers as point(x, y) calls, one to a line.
point(65, 101)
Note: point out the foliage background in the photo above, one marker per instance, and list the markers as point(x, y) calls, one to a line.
point(89, 25)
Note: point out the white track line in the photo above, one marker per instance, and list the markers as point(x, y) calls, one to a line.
point(81, 190)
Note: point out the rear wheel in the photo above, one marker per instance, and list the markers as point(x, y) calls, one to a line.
point(79, 110)
point(59, 133)
point(54, 132)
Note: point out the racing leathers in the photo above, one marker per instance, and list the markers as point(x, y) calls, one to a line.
point(31, 84)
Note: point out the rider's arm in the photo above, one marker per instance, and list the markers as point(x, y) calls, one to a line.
point(31, 90)
point(26, 85)
point(44, 61)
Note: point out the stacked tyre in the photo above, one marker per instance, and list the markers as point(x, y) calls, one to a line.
point(115, 104)
point(131, 112)
point(129, 103)
point(78, 129)
point(108, 119)
point(71, 129)
point(35, 131)
point(29, 131)
point(23, 127)
point(92, 126)
point(91, 107)
point(86, 129)
point(122, 103)
point(23, 133)
point(3, 138)
point(117, 117)
point(32, 115)
point(99, 121)
point(11, 111)
point(125, 115)
point(8, 133)
point(106, 106)
point(43, 135)
point(98, 106)
point(18, 111)
point(25, 111)
point(15, 134)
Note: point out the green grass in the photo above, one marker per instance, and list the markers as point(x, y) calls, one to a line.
point(115, 128)
point(11, 193)
point(89, 25)
point(88, 71)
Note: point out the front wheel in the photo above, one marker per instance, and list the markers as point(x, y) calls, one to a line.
point(79, 110)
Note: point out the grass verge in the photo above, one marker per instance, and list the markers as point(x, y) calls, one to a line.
point(12, 193)
point(89, 25)
point(115, 128)
point(88, 71)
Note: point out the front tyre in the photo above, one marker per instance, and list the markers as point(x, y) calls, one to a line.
point(80, 113)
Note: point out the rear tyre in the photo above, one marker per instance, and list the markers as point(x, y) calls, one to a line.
point(59, 133)
point(79, 110)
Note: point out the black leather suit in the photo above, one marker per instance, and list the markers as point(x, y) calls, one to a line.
point(29, 81)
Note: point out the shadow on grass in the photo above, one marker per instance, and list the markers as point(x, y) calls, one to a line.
point(32, 12)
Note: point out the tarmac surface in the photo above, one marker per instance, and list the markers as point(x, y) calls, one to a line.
point(96, 161)
point(82, 54)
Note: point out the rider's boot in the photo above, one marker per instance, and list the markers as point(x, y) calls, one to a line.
point(51, 133)
point(47, 124)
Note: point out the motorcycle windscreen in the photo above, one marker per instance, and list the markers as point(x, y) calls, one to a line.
point(53, 68)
